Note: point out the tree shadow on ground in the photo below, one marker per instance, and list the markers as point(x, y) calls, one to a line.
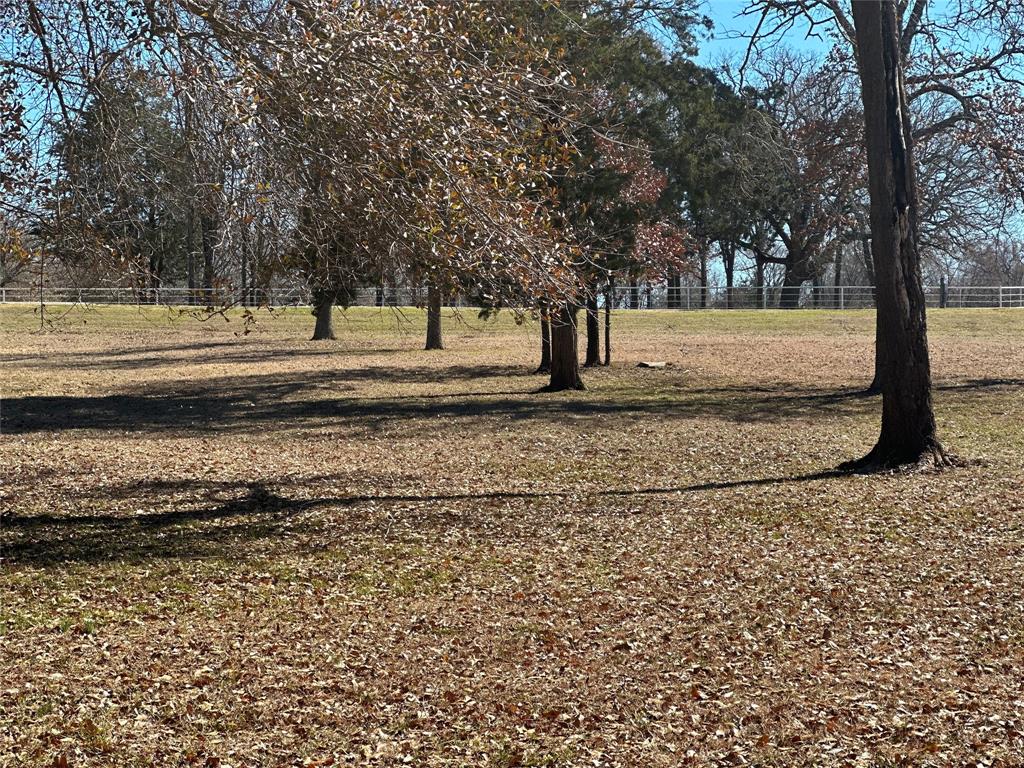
point(229, 527)
point(230, 353)
point(284, 402)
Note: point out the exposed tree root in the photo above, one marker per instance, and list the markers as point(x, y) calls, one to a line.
point(884, 459)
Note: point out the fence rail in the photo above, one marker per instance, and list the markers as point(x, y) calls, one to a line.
point(806, 297)
point(629, 297)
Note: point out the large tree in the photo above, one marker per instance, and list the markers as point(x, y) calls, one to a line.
point(802, 152)
point(908, 434)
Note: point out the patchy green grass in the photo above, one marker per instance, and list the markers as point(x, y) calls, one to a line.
point(251, 549)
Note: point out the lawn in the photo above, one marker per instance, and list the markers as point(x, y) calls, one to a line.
point(230, 549)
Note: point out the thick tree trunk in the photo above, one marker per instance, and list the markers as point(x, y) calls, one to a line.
point(908, 433)
point(434, 340)
point(593, 332)
point(565, 363)
point(609, 297)
point(797, 273)
point(323, 310)
point(545, 341)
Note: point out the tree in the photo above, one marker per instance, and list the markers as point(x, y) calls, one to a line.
point(793, 161)
point(121, 184)
point(389, 138)
point(545, 340)
point(593, 355)
point(434, 340)
point(565, 362)
point(908, 434)
point(632, 92)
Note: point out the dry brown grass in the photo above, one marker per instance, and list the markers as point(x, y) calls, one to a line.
point(227, 550)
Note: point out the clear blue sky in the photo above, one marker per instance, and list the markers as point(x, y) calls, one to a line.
point(732, 31)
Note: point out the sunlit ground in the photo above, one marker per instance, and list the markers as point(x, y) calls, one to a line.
point(228, 549)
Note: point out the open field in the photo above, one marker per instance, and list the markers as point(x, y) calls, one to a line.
point(263, 551)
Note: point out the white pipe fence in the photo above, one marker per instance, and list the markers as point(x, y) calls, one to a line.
point(625, 297)
point(805, 297)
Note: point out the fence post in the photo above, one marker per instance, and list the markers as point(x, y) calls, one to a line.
point(1000, 297)
point(943, 292)
point(842, 297)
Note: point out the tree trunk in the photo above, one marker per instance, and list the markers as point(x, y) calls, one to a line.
point(190, 259)
point(154, 254)
point(156, 267)
point(593, 332)
point(565, 363)
point(729, 265)
point(434, 340)
point(545, 341)
point(759, 280)
point(675, 283)
point(839, 278)
point(908, 433)
point(323, 310)
point(609, 298)
point(208, 234)
point(797, 273)
point(729, 290)
point(703, 279)
point(245, 269)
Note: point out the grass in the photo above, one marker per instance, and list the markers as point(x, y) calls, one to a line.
point(234, 549)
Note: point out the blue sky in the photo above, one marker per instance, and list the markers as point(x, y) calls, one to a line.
point(731, 28)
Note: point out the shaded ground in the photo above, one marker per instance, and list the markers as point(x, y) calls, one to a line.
point(258, 550)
